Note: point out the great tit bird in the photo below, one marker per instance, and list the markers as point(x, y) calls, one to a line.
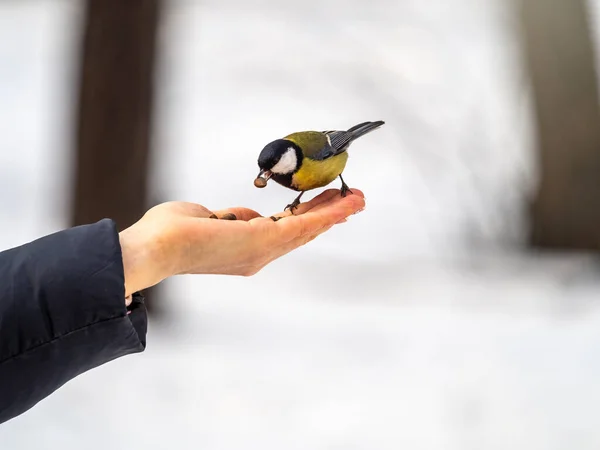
point(309, 159)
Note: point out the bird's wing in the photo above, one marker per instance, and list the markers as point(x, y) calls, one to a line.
point(311, 142)
point(338, 142)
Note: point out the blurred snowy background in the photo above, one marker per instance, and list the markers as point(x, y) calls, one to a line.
point(419, 324)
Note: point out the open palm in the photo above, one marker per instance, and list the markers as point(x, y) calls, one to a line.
point(186, 240)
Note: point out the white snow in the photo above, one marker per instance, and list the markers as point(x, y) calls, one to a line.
point(415, 325)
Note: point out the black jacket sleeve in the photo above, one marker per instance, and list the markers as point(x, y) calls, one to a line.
point(62, 312)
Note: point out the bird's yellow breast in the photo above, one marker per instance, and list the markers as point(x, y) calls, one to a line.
point(315, 174)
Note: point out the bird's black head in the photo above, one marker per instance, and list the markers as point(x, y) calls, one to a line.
point(281, 157)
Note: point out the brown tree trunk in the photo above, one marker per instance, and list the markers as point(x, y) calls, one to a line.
point(566, 211)
point(115, 108)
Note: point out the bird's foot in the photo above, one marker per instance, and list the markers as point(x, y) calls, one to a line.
point(292, 206)
point(275, 219)
point(345, 189)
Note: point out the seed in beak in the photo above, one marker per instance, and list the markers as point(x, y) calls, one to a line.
point(260, 182)
point(262, 178)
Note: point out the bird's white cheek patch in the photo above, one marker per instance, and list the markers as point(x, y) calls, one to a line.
point(287, 163)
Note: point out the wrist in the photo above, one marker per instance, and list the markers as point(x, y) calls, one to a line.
point(144, 259)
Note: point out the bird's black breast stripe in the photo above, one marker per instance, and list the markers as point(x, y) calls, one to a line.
point(284, 180)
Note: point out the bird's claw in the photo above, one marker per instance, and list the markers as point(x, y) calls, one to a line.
point(292, 206)
point(345, 189)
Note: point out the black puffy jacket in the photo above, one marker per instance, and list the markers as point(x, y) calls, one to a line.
point(62, 312)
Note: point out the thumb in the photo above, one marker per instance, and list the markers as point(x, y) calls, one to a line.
point(237, 213)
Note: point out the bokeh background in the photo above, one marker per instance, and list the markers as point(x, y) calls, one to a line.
point(459, 311)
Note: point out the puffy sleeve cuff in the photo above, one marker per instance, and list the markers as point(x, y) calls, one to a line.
point(62, 313)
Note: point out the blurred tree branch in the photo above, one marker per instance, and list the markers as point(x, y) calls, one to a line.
point(560, 58)
point(115, 111)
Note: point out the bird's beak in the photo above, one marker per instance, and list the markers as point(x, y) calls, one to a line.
point(262, 178)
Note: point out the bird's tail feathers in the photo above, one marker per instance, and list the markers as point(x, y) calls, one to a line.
point(363, 128)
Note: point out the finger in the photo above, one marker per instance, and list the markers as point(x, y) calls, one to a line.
point(293, 245)
point(327, 215)
point(189, 209)
point(356, 191)
point(226, 216)
point(300, 241)
point(323, 197)
point(236, 214)
point(327, 203)
point(302, 208)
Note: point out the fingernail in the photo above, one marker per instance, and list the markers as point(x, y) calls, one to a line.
point(359, 211)
point(212, 216)
point(342, 221)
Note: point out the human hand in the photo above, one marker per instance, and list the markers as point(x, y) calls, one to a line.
point(181, 238)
